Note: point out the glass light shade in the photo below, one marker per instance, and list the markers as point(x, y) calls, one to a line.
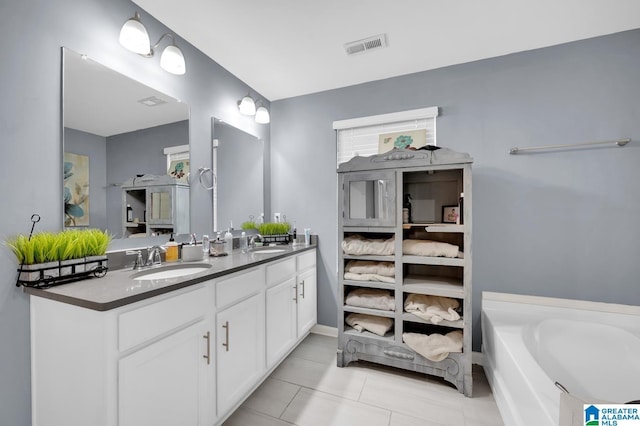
point(262, 115)
point(172, 60)
point(247, 106)
point(134, 36)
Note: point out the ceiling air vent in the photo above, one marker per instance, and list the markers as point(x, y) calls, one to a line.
point(152, 101)
point(364, 45)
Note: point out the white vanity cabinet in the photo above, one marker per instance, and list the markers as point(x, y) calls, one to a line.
point(144, 363)
point(168, 382)
point(240, 347)
point(281, 309)
point(307, 299)
point(189, 356)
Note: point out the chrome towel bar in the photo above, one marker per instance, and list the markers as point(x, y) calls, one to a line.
point(619, 142)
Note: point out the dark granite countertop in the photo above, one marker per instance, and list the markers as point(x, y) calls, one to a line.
point(118, 288)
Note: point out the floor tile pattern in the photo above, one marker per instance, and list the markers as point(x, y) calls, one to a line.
point(308, 389)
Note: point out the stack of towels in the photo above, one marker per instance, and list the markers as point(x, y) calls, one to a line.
point(432, 308)
point(372, 323)
point(434, 347)
point(357, 245)
point(368, 270)
point(371, 298)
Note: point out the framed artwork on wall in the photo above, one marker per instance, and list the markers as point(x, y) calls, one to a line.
point(76, 190)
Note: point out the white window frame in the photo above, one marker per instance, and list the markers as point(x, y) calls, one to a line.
point(367, 129)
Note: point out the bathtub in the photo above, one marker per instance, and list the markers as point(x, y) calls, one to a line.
point(529, 343)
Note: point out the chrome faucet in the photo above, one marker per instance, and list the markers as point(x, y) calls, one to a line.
point(153, 256)
point(138, 263)
point(252, 241)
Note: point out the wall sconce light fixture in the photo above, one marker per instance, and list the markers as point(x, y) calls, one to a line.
point(134, 37)
point(262, 115)
point(247, 106)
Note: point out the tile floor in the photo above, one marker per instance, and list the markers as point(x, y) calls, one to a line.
point(307, 389)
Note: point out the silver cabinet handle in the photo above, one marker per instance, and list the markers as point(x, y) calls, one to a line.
point(207, 337)
point(295, 293)
point(226, 327)
point(302, 285)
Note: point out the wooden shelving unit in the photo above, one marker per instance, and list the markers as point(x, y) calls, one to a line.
point(372, 190)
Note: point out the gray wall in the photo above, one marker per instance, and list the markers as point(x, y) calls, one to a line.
point(133, 153)
point(32, 33)
point(561, 224)
point(240, 170)
point(95, 147)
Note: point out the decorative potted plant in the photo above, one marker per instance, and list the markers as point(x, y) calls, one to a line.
point(274, 232)
point(47, 256)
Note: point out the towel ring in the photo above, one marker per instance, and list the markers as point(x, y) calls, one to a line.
point(202, 172)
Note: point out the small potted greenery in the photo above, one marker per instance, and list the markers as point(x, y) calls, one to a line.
point(274, 232)
point(49, 255)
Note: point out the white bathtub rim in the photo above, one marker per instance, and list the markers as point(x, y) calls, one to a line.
point(562, 303)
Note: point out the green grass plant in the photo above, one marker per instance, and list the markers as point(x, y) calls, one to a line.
point(248, 225)
point(46, 247)
point(274, 228)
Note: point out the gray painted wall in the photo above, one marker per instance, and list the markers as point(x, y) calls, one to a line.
point(32, 33)
point(240, 171)
point(133, 153)
point(561, 224)
point(95, 147)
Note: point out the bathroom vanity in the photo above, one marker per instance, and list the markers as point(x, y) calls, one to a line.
point(126, 350)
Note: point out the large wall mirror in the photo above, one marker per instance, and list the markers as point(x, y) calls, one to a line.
point(117, 131)
point(238, 164)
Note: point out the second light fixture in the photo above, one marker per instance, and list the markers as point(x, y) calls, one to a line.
point(247, 106)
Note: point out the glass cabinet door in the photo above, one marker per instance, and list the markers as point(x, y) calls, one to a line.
point(160, 205)
point(369, 199)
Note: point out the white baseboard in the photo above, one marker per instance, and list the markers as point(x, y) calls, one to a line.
point(325, 330)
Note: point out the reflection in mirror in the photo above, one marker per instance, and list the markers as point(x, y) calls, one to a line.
point(238, 167)
point(119, 135)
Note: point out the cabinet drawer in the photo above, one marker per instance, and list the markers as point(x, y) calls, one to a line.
point(239, 286)
point(149, 321)
point(306, 260)
point(280, 271)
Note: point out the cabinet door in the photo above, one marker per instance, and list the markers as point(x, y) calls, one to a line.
point(240, 350)
point(281, 320)
point(169, 382)
point(307, 297)
point(369, 199)
point(160, 205)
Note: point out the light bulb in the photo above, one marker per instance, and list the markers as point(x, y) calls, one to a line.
point(134, 36)
point(172, 60)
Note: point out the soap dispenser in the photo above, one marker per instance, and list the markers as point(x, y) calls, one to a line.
point(228, 242)
point(171, 254)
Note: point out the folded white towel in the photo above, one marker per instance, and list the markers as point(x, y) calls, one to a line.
point(434, 347)
point(372, 323)
point(432, 308)
point(429, 248)
point(388, 269)
point(357, 245)
point(368, 277)
point(371, 298)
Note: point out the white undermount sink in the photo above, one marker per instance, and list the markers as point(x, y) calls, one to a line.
point(173, 271)
point(268, 250)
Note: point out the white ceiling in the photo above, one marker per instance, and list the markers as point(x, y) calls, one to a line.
point(104, 102)
point(286, 48)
